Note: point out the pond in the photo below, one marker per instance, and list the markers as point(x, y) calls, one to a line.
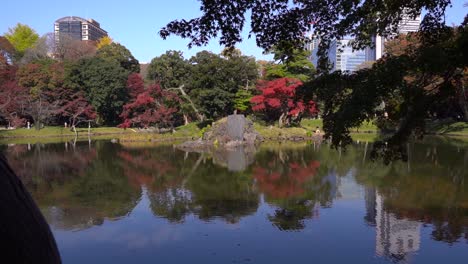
point(281, 203)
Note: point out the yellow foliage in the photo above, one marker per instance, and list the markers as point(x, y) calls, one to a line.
point(104, 41)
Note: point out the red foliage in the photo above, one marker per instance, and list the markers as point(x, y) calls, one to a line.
point(135, 85)
point(151, 107)
point(74, 106)
point(287, 184)
point(278, 99)
point(13, 99)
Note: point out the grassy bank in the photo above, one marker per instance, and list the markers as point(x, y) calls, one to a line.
point(61, 134)
point(448, 128)
point(366, 132)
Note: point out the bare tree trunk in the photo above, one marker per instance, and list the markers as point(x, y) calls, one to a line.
point(25, 234)
point(280, 120)
point(185, 95)
point(186, 121)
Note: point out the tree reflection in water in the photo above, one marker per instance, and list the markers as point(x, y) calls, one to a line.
point(75, 186)
point(81, 185)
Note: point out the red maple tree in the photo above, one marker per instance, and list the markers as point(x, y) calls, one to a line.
point(154, 106)
point(74, 106)
point(278, 101)
point(12, 97)
point(135, 85)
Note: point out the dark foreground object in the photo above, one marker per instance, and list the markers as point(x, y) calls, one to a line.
point(25, 236)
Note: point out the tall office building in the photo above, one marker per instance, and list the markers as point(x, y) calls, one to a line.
point(340, 54)
point(312, 46)
point(343, 57)
point(406, 25)
point(78, 28)
point(396, 238)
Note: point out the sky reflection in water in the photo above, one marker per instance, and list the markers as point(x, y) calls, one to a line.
point(283, 203)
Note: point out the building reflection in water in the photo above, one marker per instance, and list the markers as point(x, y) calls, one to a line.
point(396, 238)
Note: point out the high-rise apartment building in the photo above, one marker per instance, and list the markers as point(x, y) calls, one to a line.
point(78, 28)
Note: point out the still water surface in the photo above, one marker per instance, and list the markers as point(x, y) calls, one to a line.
point(284, 203)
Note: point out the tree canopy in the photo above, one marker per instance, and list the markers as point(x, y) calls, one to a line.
point(296, 64)
point(119, 53)
point(432, 71)
point(277, 21)
point(169, 70)
point(104, 83)
point(22, 37)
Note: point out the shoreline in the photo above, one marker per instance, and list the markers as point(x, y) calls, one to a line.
point(367, 132)
point(145, 137)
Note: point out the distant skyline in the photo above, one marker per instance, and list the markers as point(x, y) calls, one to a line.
point(135, 24)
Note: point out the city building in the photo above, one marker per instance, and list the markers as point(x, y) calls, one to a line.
point(343, 57)
point(312, 46)
point(340, 54)
point(406, 25)
point(396, 238)
point(78, 28)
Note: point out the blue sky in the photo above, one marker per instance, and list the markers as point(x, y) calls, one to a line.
point(135, 23)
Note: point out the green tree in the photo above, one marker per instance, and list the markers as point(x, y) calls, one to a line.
point(296, 65)
point(22, 37)
point(216, 80)
point(121, 54)
point(348, 98)
point(170, 70)
point(104, 82)
point(242, 100)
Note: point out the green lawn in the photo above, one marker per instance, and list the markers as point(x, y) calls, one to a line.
point(448, 128)
point(58, 131)
point(307, 127)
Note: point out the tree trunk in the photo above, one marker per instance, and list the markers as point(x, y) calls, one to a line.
point(185, 95)
point(186, 121)
point(25, 234)
point(280, 120)
point(463, 105)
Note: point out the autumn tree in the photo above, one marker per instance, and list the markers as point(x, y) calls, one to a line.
point(277, 101)
point(74, 106)
point(22, 37)
point(350, 98)
point(40, 75)
point(39, 80)
point(69, 49)
point(12, 102)
point(40, 108)
point(153, 107)
point(104, 41)
point(135, 85)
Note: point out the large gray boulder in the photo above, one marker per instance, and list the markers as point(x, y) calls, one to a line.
point(230, 132)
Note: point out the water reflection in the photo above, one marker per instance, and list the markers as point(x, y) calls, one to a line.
point(290, 187)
